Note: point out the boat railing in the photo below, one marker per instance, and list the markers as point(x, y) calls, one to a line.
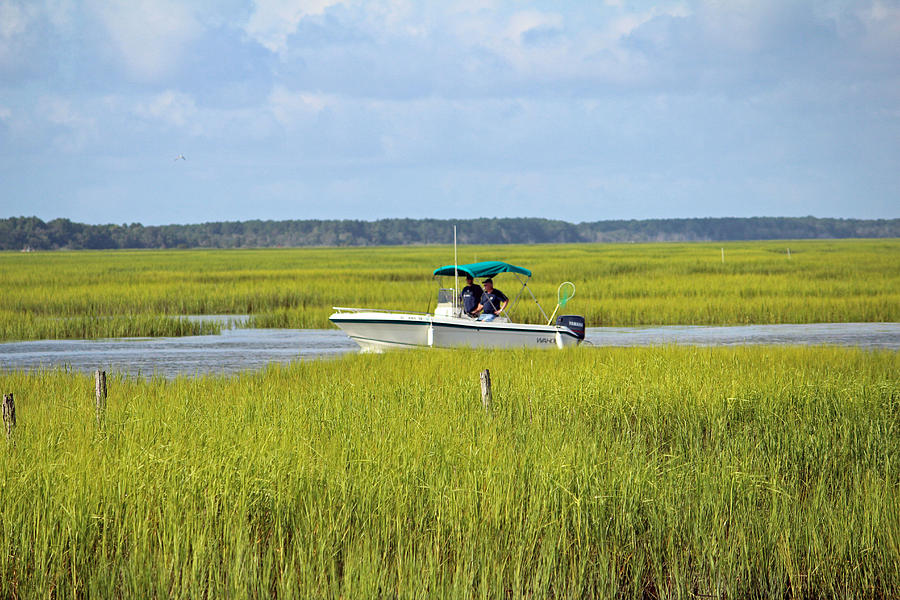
point(378, 310)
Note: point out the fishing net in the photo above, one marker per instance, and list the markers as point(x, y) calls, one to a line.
point(565, 292)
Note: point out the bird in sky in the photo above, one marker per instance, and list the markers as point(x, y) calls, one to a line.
point(180, 157)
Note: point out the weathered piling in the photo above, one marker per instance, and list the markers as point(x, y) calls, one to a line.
point(9, 414)
point(486, 389)
point(100, 385)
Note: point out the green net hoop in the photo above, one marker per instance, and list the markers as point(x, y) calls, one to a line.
point(565, 292)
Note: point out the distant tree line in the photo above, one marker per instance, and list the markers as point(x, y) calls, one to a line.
point(20, 233)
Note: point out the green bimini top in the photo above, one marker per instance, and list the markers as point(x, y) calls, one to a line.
point(488, 268)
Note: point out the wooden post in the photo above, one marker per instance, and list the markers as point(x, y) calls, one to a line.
point(789, 252)
point(100, 381)
point(9, 414)
point(486, 389)
point(723, 256)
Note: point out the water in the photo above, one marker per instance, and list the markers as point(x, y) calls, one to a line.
point(863, 335)
point(237, 350)
point(232, 351)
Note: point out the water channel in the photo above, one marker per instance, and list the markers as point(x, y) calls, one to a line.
point(238, 349)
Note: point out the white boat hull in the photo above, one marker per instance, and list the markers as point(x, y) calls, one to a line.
point(377, 331)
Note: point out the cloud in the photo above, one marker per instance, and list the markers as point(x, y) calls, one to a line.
point(58, 112)
point(148, 36)
point(17, 38)
point(409, 50)
point(397, 49)
point(172, 108)
point(748, 48)
point(60, 13)
point(14, 19)
point(882, 24)
point(523, 23)
point(273, 21)
point(71, 130)
point(290, 107)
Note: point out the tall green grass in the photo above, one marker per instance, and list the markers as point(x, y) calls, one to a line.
point(617, 284)
point(15, 326)
point(634, 473)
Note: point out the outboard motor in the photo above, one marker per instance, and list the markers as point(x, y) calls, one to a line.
point(574, 322)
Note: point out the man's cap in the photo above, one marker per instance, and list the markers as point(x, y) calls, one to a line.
point(488, 280)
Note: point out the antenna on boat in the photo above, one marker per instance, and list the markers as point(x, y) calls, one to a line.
point(455, 272)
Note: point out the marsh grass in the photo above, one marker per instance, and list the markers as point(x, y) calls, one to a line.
point(14, 326)
point(617, 284)
point(646, 472)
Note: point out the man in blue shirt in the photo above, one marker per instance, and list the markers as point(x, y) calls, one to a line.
point(493, 301)
point(471, 295)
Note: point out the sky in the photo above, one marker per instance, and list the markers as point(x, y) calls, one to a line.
point(348, 109)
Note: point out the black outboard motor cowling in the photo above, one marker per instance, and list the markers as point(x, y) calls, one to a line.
point(573, 322)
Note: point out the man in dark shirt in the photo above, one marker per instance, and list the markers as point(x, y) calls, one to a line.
point(471, 295)
point(493, 301)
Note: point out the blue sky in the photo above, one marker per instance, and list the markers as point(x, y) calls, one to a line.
point(581, 111)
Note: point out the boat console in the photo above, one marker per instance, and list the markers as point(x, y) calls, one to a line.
point(445, 305)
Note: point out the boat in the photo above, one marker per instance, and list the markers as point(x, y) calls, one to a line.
point(376, 330)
